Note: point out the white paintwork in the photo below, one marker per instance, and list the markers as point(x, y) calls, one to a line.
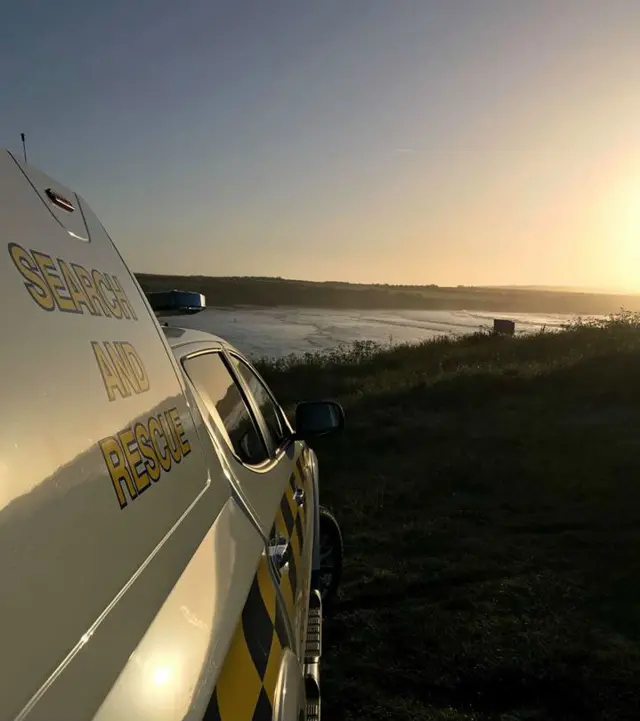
point(172, 672)
point(290, 693)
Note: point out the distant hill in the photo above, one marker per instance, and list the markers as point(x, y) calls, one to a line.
point(270, 292)
point(562, 289)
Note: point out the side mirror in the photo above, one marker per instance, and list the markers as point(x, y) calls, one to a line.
point(318, 418)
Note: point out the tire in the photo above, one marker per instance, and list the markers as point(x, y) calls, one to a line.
point(331, 556)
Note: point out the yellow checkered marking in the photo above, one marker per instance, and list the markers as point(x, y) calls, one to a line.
point(246, 686)
point(289, 523)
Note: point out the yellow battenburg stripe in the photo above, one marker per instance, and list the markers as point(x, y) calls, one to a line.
point(267, 590)
point(293, 506)
point(246, 687)
point(239, 685)
point(273, 669)
point(295, 548)
point(287, 592)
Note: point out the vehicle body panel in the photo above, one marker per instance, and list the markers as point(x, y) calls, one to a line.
point(172, 672)
point(248, 684)
point(161, 664)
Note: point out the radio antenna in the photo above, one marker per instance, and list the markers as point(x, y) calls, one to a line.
point(24, 146)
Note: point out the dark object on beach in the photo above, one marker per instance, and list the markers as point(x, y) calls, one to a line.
point(504, 327)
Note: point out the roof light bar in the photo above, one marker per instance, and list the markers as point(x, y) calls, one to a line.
point(176, 302)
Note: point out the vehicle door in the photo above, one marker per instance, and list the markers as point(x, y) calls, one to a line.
point(270, 468)
point(296, 529)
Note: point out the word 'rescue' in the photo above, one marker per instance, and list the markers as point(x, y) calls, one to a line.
point(139, 455)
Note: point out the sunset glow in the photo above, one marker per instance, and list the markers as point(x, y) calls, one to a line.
point(467, 142)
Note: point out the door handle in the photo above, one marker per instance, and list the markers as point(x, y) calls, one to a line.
point(298, 496)
point(279, 550)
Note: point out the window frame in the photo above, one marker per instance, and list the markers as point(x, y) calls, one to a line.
point(277, 450)
point(267, 464)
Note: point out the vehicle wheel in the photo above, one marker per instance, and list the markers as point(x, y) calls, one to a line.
point(331, 556)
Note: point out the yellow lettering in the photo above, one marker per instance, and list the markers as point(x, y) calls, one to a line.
point(137, 366)
point(121, 297)
point(122, 368)
point(102, 286)
point(37, 287)
point(92, 292)
point(169, 431)
point(156, 432)
point(118, 471)
point(136, 456)
point(70, 287)
point(134, 460)
point(179, 430)
point(50, 272)
point(112, 381)
point(146, 448)
point(75, 288)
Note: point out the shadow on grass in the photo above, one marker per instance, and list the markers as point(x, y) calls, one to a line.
point(492, 526)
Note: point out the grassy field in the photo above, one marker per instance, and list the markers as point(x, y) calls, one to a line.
point(489, 493)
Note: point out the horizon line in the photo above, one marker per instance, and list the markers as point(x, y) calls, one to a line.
point(580, 290)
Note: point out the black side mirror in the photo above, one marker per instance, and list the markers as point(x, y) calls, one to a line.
point(318, 418)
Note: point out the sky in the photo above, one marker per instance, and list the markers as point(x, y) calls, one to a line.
point(474, 142)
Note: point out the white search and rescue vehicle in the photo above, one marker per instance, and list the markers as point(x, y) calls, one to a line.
point(163, 552)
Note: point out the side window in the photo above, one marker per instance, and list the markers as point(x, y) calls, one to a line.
point(269, 410)
point(219, 392)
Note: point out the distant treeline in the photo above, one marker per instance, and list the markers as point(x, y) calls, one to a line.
point(239, 291)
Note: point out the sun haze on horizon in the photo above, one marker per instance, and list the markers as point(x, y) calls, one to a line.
point(472, 142)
